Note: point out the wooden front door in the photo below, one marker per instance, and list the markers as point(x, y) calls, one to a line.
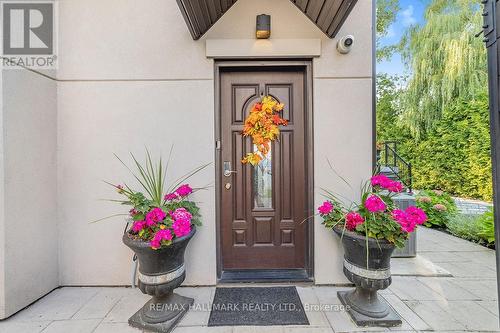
point(262, 207)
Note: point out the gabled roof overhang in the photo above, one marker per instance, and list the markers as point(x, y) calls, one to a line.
point(328, 15)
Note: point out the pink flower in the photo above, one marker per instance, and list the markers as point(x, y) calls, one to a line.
point(155, 243)
point(398, 215)
point(401, 218)
point(424, 199)
point(138, 226)
point(374, 204)
point(161, 235)
point(409, 218)
point(416, 215)
point(119, 188)
point(352, 220)
point(171, 196)
point(394, 186)
point(181, 227)
point(133, 211)
point(154, 216)
point(326, 208)
point(184, 190)
point(440, 207)
point(182, 221)
point(181, 214)
point(386, 183)
point(380, 180)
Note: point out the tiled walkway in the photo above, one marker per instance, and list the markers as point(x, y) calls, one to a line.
point(467, 301)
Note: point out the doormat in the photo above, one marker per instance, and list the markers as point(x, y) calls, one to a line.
point(256, 306)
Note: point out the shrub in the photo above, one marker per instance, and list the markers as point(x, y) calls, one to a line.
point(455, 156)
point(465, 226)
point(486, 227)
point(439, 207)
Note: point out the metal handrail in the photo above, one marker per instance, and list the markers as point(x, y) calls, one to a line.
point(398, 165)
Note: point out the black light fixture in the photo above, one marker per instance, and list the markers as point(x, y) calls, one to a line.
point(263, 26)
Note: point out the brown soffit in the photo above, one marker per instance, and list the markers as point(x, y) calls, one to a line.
point(328, 15)
point(200, 15)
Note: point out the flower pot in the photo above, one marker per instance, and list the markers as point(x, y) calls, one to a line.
point(369, 275)
point(160, 272)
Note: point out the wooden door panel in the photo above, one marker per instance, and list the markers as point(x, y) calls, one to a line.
point(262, 211)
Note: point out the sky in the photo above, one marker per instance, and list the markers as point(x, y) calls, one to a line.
point(412, 12)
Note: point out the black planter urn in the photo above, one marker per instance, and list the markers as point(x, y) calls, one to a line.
point(160, 272)
point(363, 303)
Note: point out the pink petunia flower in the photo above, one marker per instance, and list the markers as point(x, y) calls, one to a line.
point(138, 226)
point(326, 208)
point(374, 204)
point(181, 227)
point(154, 216)
point(352, 220)
point(184, 190)
point(161, 235)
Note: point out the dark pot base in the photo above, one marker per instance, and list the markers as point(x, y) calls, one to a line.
point(375, 312)
point(161, 314)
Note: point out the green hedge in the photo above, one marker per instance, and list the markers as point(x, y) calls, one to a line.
point(455, 157)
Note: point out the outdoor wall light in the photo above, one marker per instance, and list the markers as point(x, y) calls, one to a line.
point(263, 26)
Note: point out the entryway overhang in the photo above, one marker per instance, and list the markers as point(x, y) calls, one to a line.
point(328, 15)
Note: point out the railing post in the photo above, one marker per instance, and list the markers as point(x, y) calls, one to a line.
point(395, 144)
point(410, 179)
point(386, 153)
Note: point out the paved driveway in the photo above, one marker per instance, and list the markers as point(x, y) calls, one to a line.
point(423, 293)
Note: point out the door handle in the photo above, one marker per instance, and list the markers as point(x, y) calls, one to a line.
point(227, 169)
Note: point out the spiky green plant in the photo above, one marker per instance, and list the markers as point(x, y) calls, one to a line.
point(152, 178)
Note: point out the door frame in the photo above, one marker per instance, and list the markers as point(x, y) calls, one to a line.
point(255, 275)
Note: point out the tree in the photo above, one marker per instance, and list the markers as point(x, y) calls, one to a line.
point(389, 127)
point(446, 59)
point(387, 11)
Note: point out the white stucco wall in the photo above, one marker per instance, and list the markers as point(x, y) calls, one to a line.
point(28, 220)
point(131, 76)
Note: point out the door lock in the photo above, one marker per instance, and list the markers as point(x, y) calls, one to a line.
point(228, 186)
point(227, 169)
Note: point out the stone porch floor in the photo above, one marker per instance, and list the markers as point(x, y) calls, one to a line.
point(423, 293)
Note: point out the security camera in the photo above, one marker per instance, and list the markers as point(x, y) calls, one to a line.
point(344, 45)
